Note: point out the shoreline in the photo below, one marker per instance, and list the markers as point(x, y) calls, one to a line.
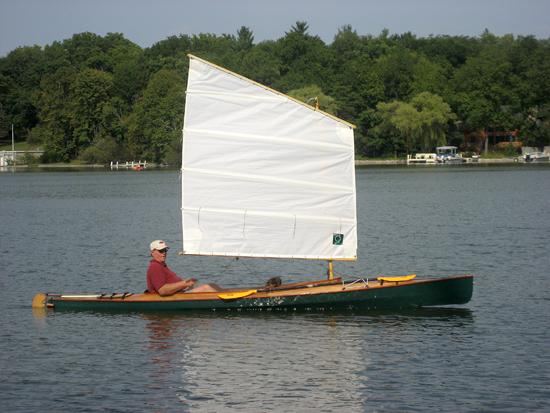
point(365, 162)
point(358, 162)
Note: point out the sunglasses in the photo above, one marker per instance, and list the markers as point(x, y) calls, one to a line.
point(164, 251)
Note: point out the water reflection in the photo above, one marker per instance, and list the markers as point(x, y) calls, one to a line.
point(268, 362)
point(39, 315)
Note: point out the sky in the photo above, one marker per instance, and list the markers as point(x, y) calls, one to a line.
point(145, 22)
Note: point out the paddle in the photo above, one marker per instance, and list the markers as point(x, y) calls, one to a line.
point(236, 294)
point(396, 279)
point(39, 300)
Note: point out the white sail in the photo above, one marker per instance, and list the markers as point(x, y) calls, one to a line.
point(262, 174)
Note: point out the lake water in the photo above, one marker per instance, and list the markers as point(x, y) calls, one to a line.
point(88, 231)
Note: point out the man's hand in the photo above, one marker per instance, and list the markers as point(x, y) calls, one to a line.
point(190, 283)
point(172, 288)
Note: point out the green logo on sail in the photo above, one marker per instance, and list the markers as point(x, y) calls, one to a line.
point(337, 239)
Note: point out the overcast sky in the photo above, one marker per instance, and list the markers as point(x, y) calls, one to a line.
point(145, 22)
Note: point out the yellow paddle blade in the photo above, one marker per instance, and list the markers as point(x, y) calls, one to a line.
point(235, 294)
point(398, 278)
point(39, 301)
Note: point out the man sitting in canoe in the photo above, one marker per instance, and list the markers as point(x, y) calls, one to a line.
point(162, 280)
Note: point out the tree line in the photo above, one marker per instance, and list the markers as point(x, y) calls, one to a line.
point(102, 98)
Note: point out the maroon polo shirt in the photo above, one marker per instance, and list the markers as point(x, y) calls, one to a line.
point(159, 274)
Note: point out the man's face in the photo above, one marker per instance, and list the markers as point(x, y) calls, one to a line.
point(159, 255)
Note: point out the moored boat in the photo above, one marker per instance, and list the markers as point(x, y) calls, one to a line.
point(536, 157)
point(448, 155)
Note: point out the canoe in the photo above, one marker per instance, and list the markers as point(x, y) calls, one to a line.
point(362, 294)
point(265, 176)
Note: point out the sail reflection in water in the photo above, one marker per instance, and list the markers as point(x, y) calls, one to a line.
point(298, 361)
point(301, 362)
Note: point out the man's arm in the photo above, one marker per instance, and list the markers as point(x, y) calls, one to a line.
point(172, 288)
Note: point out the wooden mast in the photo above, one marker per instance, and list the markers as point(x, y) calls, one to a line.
point(330, 271)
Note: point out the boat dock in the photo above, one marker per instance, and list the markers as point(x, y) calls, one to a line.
point(12, 158)
point(136, 166)
point(422, 158)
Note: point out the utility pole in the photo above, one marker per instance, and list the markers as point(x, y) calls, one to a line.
point(12, 146)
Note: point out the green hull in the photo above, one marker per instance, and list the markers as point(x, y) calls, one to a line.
point(436, 292)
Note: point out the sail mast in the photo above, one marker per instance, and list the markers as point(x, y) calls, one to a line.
point(330, 270)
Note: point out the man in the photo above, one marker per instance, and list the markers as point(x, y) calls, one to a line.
point(162, 280)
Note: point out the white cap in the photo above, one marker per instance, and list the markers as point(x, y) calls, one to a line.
point(158, 245)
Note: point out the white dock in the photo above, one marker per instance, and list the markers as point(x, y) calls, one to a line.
point(135, 165)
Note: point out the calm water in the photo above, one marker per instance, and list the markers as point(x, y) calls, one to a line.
point(89, 231)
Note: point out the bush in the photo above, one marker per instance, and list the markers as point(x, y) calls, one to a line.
point(103, 151)
point(51, 156)
point(173, 152)
point(30, 160)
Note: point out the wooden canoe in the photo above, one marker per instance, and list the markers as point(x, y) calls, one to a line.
point(362, 294)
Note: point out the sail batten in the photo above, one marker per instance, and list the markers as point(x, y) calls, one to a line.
point(242, 212)
point(273, 138)
point(263, 175)
point(266, 178)
point(232, 95)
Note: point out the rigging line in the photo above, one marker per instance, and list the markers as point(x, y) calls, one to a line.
point(321, 265)
point(249, 269)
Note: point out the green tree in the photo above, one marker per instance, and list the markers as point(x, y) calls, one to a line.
point(56, 56)
point(90, 95)
point(383, 137)
point(245, 39)
point(4, 124)
point(454, 50)
point(103, 151)
point(300, 28)
point(314, 96)
point(77, 94)
point(430, 76)
point(157, 118)
point(535, 129)
point(76, 108)
point(261, 64)
point(485, 89)
point(357, 87)
point(55, 128)
point(434, 116)
point(422, 123)
point(347, 45)
point(303, 60)
point(396, 69)
point(20, 73)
